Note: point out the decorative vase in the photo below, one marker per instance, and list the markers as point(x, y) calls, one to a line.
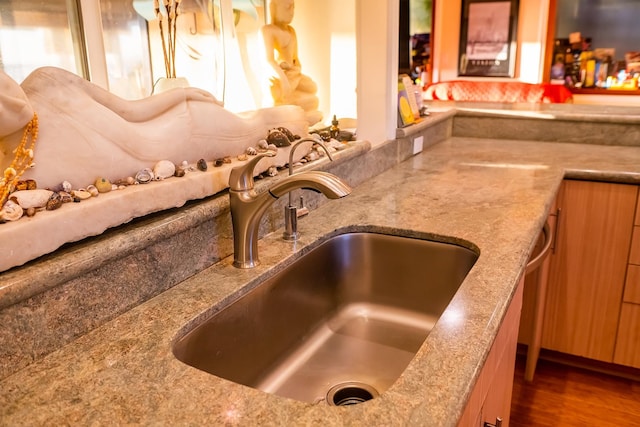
point(167, 83)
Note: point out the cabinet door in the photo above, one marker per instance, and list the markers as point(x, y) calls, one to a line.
point(628, 342)
point(628, 345)
point(497, 404)
point(491, 396)
point(535, 296)
point(531, 318)
point(587, 269)
point(532, 281)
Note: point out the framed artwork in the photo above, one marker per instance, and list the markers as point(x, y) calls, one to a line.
point(488, 38)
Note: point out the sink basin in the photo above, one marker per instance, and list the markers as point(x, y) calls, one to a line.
point(338, 325)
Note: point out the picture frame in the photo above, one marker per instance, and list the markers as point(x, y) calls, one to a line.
point(488, 31)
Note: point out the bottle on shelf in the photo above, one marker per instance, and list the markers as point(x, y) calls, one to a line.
point(334, 130)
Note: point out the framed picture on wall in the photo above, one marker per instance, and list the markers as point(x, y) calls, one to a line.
point(488, 38)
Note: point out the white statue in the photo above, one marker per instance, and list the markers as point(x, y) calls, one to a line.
point(289, 85)
point(86, 132)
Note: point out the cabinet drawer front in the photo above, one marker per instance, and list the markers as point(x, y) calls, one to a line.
point(634, 254)
point(628, 342)
point(632, 285)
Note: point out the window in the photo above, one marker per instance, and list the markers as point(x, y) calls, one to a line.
point(608, 23)
point(35, 33)
point(126, 44)
point(38, 33)
point(219, 47)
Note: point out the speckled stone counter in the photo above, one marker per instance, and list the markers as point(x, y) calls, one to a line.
point(584, 124)
point(493, 195)
point(56, 298)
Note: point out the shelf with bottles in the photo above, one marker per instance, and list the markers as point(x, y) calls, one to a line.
point(583, 69)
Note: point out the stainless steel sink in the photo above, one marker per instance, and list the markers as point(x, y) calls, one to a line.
point(339, 325)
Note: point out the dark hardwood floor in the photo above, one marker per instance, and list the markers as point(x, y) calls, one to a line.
point(562, 395)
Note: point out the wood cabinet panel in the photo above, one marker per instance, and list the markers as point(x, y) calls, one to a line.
point(527, 317)
point(634, 253)
point(497, 404)
point(628, 343)
point(632, 285)
point(587, 270)
point(491, 396)
point(534, 298)
point(637, 220)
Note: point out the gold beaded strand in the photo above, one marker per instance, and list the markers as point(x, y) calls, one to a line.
point(22, 161)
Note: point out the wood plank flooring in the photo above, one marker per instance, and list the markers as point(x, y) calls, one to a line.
point(562, 396)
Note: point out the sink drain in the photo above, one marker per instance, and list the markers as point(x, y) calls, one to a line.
point(350, 393)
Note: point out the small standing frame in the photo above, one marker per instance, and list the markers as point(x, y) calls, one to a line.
point(488, 38)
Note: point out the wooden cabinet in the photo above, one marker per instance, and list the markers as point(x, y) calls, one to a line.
point(628, 340)
point(592, 306)
point(491, 396)
point(532, 280)
point(535, 295)
point(632, 286)
point(628, 343)
point(588, 268)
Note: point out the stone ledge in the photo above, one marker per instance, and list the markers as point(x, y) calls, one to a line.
point(72, 222)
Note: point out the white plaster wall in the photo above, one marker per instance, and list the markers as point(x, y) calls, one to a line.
point(377, 26)
point(326, 44)
point(358, 80)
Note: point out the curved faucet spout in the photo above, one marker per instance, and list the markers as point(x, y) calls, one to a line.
point(297, 143)
point(247, 207)
point(322, 182)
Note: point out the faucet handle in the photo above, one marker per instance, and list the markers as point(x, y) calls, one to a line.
point(241, 178)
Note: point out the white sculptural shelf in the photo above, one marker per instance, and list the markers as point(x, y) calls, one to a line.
point(28, 238)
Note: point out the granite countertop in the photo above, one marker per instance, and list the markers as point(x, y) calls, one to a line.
point(555, 111)
point(492, 194)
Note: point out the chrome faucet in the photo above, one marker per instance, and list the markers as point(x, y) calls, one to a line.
point(247, 206)
point(291, 212)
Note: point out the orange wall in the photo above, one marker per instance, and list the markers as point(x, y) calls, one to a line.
point(532, 30)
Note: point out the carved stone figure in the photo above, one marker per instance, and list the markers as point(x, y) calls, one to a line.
point(86, 132)
point(288, 85)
